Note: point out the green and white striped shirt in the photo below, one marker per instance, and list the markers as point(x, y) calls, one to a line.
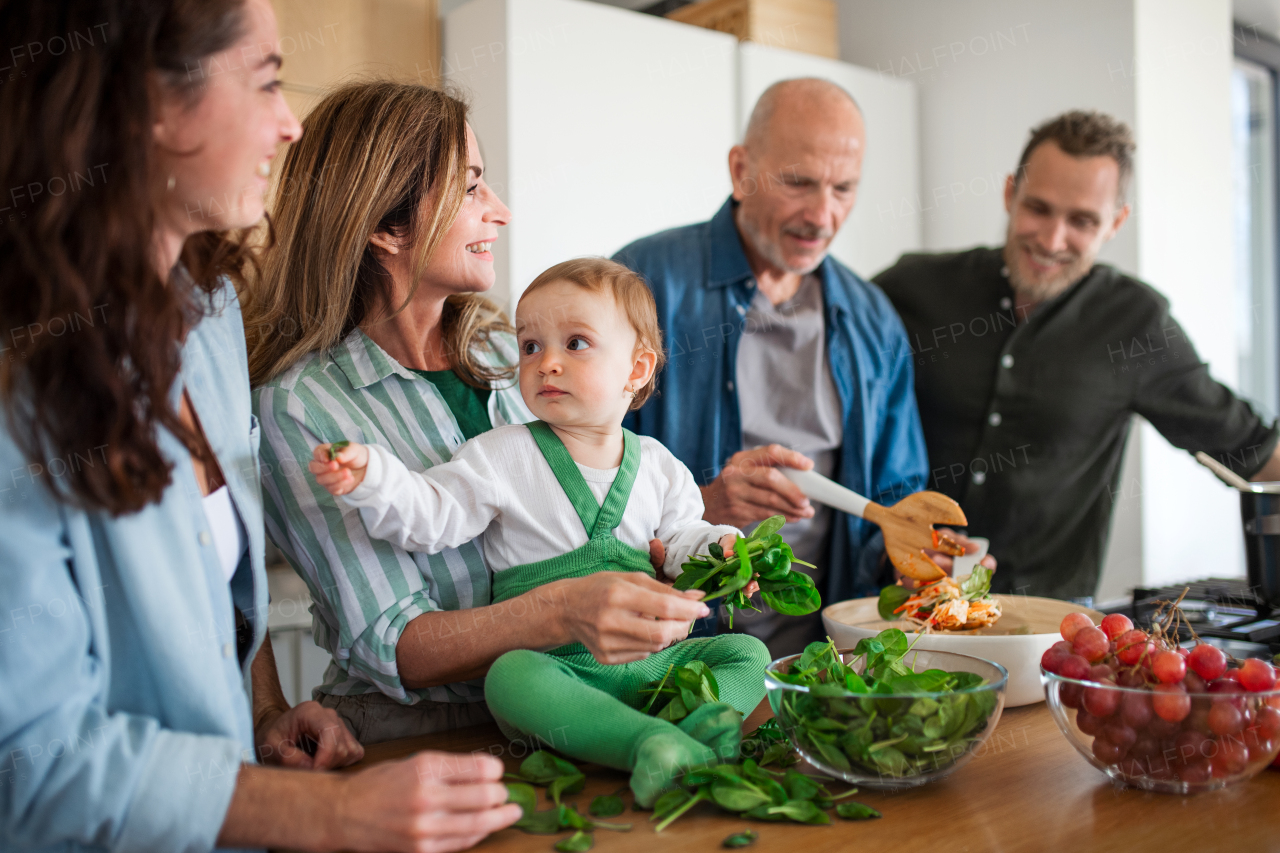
point(365, 591)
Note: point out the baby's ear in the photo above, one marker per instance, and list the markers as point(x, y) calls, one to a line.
point(646, 362)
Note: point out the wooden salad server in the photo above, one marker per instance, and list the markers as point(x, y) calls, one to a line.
point(907, 525)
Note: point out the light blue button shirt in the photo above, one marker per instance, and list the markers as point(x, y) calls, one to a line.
point(124, 711)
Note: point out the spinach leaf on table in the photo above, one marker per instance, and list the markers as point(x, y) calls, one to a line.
point(576, 843)
point(740, 839)
point(856, 811)
point(607, 805)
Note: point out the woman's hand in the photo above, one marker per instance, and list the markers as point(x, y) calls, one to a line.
point(432, 801)
point(342, 473)
point(622, 616)
point(281, 737)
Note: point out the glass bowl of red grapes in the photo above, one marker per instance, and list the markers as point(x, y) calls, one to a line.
point(1153, 714)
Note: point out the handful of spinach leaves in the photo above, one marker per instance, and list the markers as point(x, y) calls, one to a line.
point(762, 557)
point(847, 721)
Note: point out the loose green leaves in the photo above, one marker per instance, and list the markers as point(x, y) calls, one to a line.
point(576, 843)
point(533, 821)
point(675, 803)
point(337, 447)
point(607, 805)
point(561, 785)
point(856, 811)
point(541, 768)
point(562, 817)
point(740, 839)
point(762, 557)
point(560, 777)
point(801, 811)
point(752, 791)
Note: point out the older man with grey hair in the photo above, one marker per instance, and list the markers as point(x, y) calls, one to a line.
point(781, 356)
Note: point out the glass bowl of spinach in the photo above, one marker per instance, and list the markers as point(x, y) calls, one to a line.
point(882, 714)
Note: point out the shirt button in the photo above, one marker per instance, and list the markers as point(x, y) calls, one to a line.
point(1006, 361)
point(1006, 303)
point(205, 538)
point(228, 650)
point(979, 477)
point(994, 419)
point(729, 384)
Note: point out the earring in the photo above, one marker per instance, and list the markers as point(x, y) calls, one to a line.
point(173, 182)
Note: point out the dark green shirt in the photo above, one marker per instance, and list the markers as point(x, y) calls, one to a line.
point(1026, 422)
point(470, 405)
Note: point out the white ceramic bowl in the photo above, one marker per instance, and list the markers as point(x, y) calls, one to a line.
point(1027, 628)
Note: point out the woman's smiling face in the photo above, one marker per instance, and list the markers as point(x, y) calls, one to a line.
point(216, 152)
point(463, 262)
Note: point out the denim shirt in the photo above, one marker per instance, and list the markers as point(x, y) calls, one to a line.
point(124, 709)
point(703, 286)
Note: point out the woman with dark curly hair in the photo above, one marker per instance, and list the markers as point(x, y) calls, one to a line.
point(138, 685)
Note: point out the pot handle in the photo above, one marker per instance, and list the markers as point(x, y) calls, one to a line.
point(1263, 525)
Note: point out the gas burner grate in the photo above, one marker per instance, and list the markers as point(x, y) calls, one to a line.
point(1231, 592)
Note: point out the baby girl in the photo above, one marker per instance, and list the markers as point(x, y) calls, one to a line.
point(565, 496)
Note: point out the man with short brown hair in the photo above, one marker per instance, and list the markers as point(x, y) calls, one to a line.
point(1030, 359)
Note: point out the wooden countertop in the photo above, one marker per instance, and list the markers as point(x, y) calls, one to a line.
point(1028, 789)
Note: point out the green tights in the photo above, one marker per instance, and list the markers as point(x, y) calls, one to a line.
point(590, 710)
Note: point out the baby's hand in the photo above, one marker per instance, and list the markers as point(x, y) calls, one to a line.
point(726, 544)
point(343, 472)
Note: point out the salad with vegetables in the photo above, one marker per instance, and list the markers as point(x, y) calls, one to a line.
point(946, 605)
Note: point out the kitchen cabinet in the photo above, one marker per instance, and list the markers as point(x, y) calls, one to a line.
point(599, 125)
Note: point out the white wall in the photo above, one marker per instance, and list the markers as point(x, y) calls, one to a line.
point(1182, 74)
point(599, 125)
point(989, 70)
point(876, 232)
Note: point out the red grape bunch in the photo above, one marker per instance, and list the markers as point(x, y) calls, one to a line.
point(1189, 715)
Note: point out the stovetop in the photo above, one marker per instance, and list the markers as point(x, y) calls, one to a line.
point(1224, 611)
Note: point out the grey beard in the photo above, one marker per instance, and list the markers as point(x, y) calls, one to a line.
point(770, 251)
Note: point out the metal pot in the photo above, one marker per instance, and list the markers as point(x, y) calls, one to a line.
point(1260, 512)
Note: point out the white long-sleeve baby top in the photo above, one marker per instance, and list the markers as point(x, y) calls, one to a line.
point(499, 486)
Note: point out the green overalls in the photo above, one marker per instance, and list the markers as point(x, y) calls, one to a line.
point(589, 710)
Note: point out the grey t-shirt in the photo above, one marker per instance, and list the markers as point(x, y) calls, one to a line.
point(786, 395)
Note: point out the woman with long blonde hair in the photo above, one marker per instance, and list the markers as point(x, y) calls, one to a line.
point(368, 324)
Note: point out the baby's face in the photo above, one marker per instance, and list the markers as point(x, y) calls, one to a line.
point(577, 356)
